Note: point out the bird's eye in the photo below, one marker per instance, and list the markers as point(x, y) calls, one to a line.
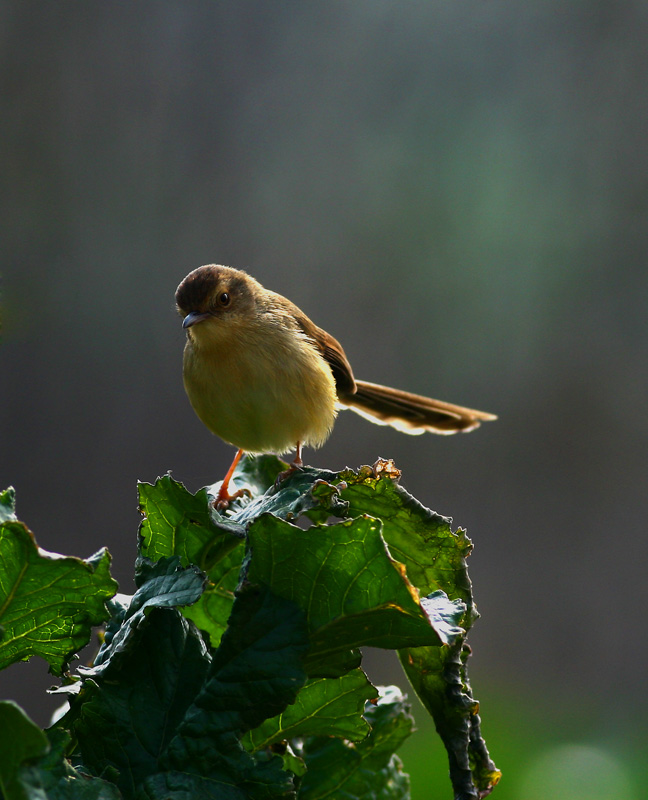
point(224, 299)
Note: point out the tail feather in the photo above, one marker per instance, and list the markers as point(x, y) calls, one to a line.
point(411, 413)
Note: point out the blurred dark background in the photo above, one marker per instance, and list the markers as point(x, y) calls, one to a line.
point(458, 191)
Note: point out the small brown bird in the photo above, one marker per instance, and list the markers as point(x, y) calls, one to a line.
point(264, 378)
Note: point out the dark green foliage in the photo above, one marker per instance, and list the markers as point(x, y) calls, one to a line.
point(233, 671)
point(53, 776)
point(369, 769)
point(20, 741)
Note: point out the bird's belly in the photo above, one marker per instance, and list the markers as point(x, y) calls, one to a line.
point(262, 405)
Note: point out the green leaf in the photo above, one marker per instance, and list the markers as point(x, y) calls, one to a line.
point(344, 579)
point(434, 557)
point(177, 522)
point(440, 680)
point(292, 762)
point(20, 740)
point(180, 523)
point(367, 770)
point(303, 491)
point(183, 524)
point(128, 711)
point(54, 778)
point(8, 505)
point(433, 554)
point(163, 584)
point(170, 713)
point(144, 676)
point(445, 615)
point(213, 609)
point(255, 673)
point(165, 717)
point(48, 603)
point(324, 707)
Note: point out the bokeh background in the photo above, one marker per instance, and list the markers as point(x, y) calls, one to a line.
point(458, 191)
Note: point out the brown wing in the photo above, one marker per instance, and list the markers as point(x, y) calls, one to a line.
point(333, 354)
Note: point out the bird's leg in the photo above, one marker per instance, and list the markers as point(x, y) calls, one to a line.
point(295, 464)
point(223, 498)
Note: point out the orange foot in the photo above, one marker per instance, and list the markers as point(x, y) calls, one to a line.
point(296, 464)
point(224, 497)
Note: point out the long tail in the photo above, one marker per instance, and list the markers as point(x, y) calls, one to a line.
point(411, 413)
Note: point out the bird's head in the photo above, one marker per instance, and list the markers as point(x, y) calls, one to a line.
point(214, 297)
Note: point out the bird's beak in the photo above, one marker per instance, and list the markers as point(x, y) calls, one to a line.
point(194, 317)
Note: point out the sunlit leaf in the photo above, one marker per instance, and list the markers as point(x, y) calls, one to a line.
point(324, 707)
point(353, 593)
point(180, 523)
point(48, 603)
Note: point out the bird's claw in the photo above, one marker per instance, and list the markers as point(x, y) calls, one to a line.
point(294, 467)
point(223, 499)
